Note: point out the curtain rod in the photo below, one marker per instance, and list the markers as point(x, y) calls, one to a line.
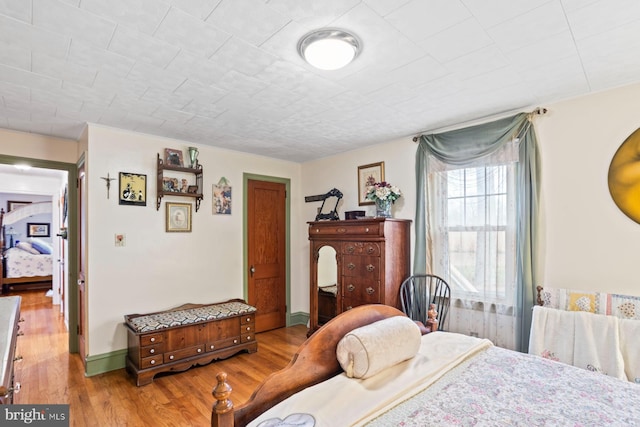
point(538, 111)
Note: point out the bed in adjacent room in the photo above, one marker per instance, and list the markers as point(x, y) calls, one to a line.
point(28, 264)
point(371, 366)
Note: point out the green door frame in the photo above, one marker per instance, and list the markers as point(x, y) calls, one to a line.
point(72, 234)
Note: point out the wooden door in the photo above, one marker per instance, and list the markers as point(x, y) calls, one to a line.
point(82, 237)
point(266, 253)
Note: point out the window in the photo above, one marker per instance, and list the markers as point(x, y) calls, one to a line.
point(477, 243)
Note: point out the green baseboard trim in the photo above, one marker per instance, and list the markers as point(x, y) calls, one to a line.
point(299, 318)
point(101, 363)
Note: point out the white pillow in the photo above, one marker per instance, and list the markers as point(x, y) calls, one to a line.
point(367, 350)
point(26, 246)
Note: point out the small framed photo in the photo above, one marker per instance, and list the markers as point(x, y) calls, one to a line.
point(170, 185)
point(178, 217)
point(133, 189)
point(12, 204)
point(38, 229)
point(367, 176)
point(173, 157)
point(192, 189)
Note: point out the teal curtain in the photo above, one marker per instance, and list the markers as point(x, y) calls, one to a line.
point(462, 146)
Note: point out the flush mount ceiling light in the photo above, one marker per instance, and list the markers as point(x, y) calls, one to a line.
point(329, 48)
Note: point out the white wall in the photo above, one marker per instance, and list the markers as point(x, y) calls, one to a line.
point(157, 270)
point(586, 242)
point(590, 243)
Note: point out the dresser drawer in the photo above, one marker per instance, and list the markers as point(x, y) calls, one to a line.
point(149, 362)
point(183, 353)
point(151, 339)
point(361, 248)
point(361, 266)
point(248, 318)
point(220, 344)
point(355, 228)
point(247, 338)
point(365, 291)
point(151, 350)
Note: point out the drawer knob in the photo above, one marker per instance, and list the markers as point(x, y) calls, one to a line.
point(370, 290)
point(351, 266)
point(366, 230)
point(370, 249)
point(153, 339)
point(212, 347)
point(248, 337)
point(153, 362)
point(199, 350)
point(152, 351)
point(248, 319)
point(351, 287)
point(235, 341)
point(370, 268)
point(350, 249)
point(171, 357)
point(248, 328)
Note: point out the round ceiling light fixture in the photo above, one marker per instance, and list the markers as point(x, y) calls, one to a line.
point(329, 48)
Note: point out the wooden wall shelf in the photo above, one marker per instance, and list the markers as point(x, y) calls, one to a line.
point(197, 171)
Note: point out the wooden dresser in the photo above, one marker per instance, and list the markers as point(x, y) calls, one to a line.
point(371, 261)
point(189, 335)
point(9, 318)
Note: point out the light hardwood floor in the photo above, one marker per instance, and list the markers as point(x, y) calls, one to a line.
point(50, 375)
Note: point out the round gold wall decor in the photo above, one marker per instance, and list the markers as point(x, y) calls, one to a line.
point(624, 177)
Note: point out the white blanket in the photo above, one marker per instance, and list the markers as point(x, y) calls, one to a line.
point(630, 348)
point(332, 402)
point(586, 340)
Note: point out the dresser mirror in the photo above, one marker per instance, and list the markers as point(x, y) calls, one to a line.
point(327, 283)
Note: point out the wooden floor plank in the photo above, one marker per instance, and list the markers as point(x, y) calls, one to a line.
point(50, 375)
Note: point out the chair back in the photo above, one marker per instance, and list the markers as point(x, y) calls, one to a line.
point(419, 291)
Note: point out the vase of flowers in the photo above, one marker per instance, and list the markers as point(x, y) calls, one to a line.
point(384, 195)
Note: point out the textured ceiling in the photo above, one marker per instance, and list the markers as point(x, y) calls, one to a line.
point(227, 73)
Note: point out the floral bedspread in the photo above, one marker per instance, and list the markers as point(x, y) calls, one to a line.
point(23, 264)
point(499, 387)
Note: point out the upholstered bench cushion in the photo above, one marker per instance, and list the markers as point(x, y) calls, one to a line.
point(171, 318)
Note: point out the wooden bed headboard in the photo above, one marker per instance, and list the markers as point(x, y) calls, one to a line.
point(314, 362)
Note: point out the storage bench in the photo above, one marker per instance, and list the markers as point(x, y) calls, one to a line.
point(189, 335)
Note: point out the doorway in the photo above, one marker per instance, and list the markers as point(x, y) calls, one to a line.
point(71, 261)
point(267, 271)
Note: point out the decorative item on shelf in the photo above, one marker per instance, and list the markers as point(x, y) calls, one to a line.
point(133, 189)
point(173, 157)
point(384, 195)
point(193, 157)
point(222, 197)
point(367, 176)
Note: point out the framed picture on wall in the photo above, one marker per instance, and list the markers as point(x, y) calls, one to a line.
point(12, 204)
point(133, 189)
point(178, 217)
point(173, 157)
point(38, 229)
point(367, 176)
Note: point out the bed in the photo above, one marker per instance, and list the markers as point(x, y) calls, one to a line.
point(451, 380)
point(28, 265)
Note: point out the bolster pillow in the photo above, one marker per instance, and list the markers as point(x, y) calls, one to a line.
point(367, 350)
